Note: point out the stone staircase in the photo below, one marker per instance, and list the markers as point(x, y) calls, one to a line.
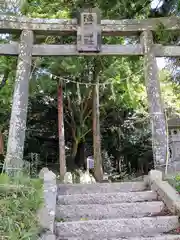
point(112, 211)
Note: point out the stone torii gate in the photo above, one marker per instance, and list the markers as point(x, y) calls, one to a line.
point(88, 28)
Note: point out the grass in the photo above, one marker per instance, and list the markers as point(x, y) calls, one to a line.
point(20, 198)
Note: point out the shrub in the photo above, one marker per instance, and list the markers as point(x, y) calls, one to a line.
point(178, 183)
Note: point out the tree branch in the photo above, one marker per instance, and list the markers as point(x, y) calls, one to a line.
point(86, 133)
point(86, 101)
point(87, 115)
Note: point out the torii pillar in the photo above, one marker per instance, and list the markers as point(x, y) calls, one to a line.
point(157, 115)
point(15, 147)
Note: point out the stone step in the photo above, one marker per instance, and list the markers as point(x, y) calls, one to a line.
point(114, 228)
point(69, 189)
point(162, 237)
point(108, 211)
point(105, 198)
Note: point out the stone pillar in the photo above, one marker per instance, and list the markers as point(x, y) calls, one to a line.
point(15, 146)
point(158, 121)
point(46, 215)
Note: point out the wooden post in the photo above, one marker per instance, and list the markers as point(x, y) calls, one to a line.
point(158, 122)
point(15, 146)
point(98, 171)
point(62, 160)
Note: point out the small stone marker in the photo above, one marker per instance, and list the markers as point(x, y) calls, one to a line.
point(68, 178)
point(41, 173)
point(49, 176)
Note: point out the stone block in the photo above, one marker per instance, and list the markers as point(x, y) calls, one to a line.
point(41, 173)
point(108, 211)
point(65, 189)
point(117, 228)
point(157, 237)
point(48, 236)
point(46, 220)
point(49, 176)
point(155, 175)
point(107, 198)
point(168, 195)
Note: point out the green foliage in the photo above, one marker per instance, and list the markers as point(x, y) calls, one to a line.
point(20, 199)
point(165, 37)
point(174, 181)
point(177, 179)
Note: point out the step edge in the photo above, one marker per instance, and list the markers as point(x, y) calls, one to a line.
point(157, 237)
point(115, 204)
point(106, 194)
point(123, 219)
point(101, 184)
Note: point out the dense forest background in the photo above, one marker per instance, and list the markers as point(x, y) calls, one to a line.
point(124, 118)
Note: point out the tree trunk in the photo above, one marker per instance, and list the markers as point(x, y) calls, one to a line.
point(74, 149)
point(80, 155)
point(62, 160)
point(98, 170)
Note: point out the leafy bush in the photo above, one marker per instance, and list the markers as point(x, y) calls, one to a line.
point(178, 183)
point(107, 162)
point(20, 198)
